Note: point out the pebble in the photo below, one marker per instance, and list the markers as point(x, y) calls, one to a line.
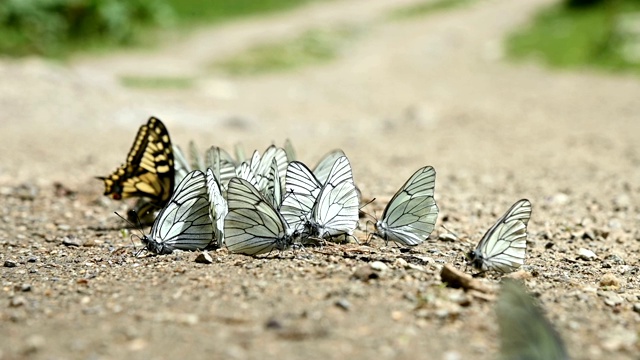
point(447, 237)
point(10, 263)
point(343, 304)
point(612, 299)
point(609, 279)
point(586, 254)
point(204, 258)
point(32, 259)
point(365, 273)
point(25, 287)
point(636, 307)
point(378, 266)
point(67, 241)
point(17, 301)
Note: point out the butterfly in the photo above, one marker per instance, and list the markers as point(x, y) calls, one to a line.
point(149, 169)
point(301, 191)
point(524, 331)
point(222, 165)
point(504, 245)
point(218, 207)
point(335, 211)
point(185, 222)
point(410, 216)
point(253, 226)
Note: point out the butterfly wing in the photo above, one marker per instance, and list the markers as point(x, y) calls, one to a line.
point(252, 225)
point(503, 247)
point(411, 215)
point(264, 165)
point(301, 191)
point(336, 209)
point(181, 165)
point(149, 169)
point(185, 222)
point(218, 207)
point(288, 148)
point(273, 189)
point(525, 333)
point(322, 170)
point(222, 165)
point(197, 162)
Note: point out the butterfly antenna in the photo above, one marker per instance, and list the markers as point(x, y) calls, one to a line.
point(451, 232)
point(367, 203)
point(134, 226)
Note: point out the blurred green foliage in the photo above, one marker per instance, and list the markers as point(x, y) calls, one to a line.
point(312, 47)
point(52, 27)
point(588, 33)
point(426, 7)
point(58, 27)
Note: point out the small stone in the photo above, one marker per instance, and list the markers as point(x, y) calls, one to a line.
point(612, 299)
point(32, 259)
point(204, 258)
point(25, 287)
point(343, 304)
point(34, 343)
point(400, 263)
point(10, 263)
point(67, 241)
point(447, 237)
point(273, 324)
point(378, 266)
point(636, 307)
point(609, 280)
point(365, 273)
point(586, 254)
point(64, 227)
point(17, 301)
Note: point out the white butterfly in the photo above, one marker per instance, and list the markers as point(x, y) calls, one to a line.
point(222, 165)
point(180, 165)
point(273, 189)
point(411, 215)
point(218, 207)
point(301, 192)
point(504, 246)
point(185, 222)
point(525, 333)
point(335, 211)
point(323, 168)
point(252, 225)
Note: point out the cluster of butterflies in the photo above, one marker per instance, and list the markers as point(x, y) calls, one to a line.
point(273, 202)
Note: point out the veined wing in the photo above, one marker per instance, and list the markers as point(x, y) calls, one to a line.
point(503, 247)
point(218, 207)
point(264, 165)
point(273, 189)
point(185, 222)
point(222, 165)
point(411, 215)
point(336, 209)
point(301, 191)
point(149, 169)
point(288, 148)
point(322, 170)
point(252, 225)
point(182, 166)
point(197, 162)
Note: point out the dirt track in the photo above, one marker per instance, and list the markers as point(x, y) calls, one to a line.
point(432, 90)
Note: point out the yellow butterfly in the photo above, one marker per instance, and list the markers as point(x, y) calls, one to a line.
point(149, 170)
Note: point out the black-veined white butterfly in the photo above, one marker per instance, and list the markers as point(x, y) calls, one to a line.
point(218, 207)
point(222, 165)
point(185, 222)
point(335, 211)
point(525, 333)
point(301, 192)
point(410, 216)
point(503, 247)
point(252, 225)
point(324, 166)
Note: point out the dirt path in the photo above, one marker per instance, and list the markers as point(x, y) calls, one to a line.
point(433, 90)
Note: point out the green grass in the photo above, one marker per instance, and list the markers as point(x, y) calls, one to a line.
point(426, 7)
point(201, 11)
point(58, 28)
point(312, 47)
point(157, 82)
point(577, 38)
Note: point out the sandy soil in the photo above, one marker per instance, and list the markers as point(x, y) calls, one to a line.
point(430, 91)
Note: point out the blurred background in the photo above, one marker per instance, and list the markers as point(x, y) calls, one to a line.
point(355, 74)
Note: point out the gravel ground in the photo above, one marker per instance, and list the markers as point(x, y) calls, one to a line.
point(429, 91)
